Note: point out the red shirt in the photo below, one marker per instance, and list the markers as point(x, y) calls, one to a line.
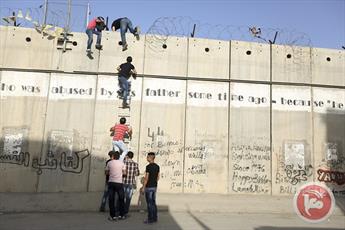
point(92, 24)
point(120, 131)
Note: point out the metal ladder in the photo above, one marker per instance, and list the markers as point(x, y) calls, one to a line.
point(126, 113)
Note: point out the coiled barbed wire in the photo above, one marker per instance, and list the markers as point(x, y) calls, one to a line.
point(165, 27)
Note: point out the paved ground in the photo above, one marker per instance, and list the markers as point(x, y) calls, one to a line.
point(167, 220)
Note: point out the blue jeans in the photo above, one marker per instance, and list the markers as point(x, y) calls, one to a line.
point(90, 33)
point(121, 147)
point(104, 198)
point(125, 24)
point(150, 195)
point(128, 188)
point(124, 85)
point(116, 188)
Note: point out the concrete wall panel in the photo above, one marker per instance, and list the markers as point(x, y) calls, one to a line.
point(3, 38)
point(107, 113)
point(206, 146)
point(23, 108)
point(76, 59)
point(208, 58)
point(65, 158)
point(292, 159)
point(27, 49)
point(329, 137)
point(169, 61)
point(162, 130)
point(112, 55)
point(291, 64)
point(250, 61)
point(328, 66)
point(250, 156)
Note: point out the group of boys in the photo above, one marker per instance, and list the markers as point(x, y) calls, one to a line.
point(97, 25)
point(121, 171)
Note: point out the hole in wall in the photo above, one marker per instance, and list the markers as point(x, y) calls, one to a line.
point(328, 59)
point(288, 56)
point(28, 39)
point(207, 49)
point(164, 46)
point(74, 43)
point(249, 52)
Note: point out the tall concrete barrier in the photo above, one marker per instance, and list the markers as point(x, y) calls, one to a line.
point(236, 118)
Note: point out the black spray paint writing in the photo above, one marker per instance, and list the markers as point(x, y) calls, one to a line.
point(68, 164)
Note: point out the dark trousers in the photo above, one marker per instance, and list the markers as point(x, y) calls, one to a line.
point(150, 195)
point(124, 85)
point(128, 196)
point(90, 33)
point(116, 188)
point(104, 198)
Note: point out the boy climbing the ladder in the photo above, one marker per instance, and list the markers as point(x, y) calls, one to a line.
point(120, 130)
point(126, 70)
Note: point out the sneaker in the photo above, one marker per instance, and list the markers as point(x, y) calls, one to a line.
point(122, 217)
point(125, 47)
point(147, 222)
point(112, 218)
point(125, 105)
point(137, 32)
point(99, 47)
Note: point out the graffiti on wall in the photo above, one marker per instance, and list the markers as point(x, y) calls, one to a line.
point(69, 164)
point(169, 155)
point(331, 176)
point(60, 154)
point(250, 165)
point(13, 140)
point(293, 166)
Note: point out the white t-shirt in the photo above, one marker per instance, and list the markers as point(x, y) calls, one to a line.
point(115, 168)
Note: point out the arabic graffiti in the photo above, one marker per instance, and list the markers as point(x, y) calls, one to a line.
point(67, 164)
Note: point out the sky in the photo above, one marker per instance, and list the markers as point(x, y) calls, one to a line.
point(318, 23)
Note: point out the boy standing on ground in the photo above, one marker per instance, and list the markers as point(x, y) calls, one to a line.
point(129, 182)
point(126, 70)
point(95, 26)
point(125, 24)
point(150, 188)
point(115, 169)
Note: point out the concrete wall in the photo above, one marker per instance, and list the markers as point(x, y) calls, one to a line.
point(223, 117)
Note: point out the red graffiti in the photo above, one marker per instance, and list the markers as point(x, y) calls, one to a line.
point(331, 176)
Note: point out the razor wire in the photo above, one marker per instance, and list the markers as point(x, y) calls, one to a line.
point(57, 17)
point(164, 27)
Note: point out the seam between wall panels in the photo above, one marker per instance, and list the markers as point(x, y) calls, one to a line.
point(229, 121)
point(92, 132)
point(185, 122)
point(44, 128)
point(93, 123)
point(271, 121)
point(141, 102)
point(312, 147)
